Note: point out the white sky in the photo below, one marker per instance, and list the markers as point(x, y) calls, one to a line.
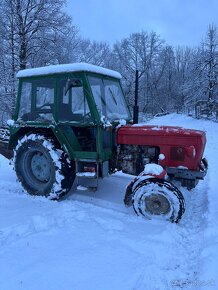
point(179, 22)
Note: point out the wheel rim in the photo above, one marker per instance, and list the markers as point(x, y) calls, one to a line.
point(157, 204)
point(40, 166)
point(158, 198)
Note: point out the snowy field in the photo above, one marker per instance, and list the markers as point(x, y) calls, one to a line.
point(92, 242)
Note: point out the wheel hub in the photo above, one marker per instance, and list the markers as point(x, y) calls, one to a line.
point(157, 204)
point(40, 167)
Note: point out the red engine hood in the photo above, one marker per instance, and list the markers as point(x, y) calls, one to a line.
point(152, 130)
point(165, 137)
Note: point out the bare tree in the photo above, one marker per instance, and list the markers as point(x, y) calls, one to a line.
point(37, 27)
point(210, 61)
point(98, 53)
point(33, 33)
point(201, 88)
point(139, 52)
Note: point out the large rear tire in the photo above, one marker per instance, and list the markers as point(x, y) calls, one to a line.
point(41, 168)
point(158, 198)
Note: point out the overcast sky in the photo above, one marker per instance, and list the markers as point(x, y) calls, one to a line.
point(179, 22)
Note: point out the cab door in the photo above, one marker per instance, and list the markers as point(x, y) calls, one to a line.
point(75, 119)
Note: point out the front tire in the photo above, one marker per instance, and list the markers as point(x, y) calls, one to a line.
point(158, 198)
point(41, 168)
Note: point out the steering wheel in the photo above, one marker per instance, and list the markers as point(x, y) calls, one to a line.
point(45, 105)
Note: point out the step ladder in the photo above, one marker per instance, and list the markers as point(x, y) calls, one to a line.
point(87, 174)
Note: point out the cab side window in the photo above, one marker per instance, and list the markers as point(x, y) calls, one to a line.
point(25, 100)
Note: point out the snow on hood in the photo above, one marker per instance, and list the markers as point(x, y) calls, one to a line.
point(66, 68)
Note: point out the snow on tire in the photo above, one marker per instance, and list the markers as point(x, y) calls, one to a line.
point(41, 168)
point(158, 198)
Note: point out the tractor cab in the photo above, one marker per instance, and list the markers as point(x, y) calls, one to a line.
point(81, 103)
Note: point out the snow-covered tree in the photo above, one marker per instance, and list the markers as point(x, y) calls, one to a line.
point(210, 62)
point(33, 33)
point(138, 52)
point(36, 27)
point(97, 53)
point(201, 88)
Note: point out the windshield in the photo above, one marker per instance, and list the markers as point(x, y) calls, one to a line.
point(109, 99)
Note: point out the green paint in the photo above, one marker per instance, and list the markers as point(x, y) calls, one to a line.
point(66, 106)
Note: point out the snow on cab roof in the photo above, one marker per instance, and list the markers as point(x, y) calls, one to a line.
point(66, 68)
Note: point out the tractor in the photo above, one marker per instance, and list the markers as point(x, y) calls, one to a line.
point(72, 124)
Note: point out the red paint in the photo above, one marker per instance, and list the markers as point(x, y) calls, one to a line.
point(166, 137)
point(160, 176)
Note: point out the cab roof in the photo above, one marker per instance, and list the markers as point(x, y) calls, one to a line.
point(67, 68)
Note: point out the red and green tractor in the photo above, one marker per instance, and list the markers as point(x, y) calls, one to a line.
point(72, 123)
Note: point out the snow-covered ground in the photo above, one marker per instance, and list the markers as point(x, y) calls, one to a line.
point(92, 242)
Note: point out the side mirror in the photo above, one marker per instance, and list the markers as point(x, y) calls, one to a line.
point(72, 83)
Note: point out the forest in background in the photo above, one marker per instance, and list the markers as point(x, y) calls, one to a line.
point(36, 33)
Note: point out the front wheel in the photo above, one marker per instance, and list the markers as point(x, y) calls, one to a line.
point(41, 168)
point(158, 198)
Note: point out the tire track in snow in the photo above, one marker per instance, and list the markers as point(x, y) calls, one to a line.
point(35, 225)
point(65, 214)
point(48, 220)
point(175, 252)
point(189, 239)
point(186, 238)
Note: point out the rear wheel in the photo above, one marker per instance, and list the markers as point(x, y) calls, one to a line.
point(157, 198)
point(41, 168)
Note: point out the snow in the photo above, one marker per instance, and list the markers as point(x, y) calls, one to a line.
point(156, 128)
point(122, 122)
point(80, 187)
point(67, 68)
point(10, 122)
point(86, 174)
point(161, 156)
point(106, 122)
point(89, 240)
point(182, 167)
point(4, 134)
point(153, 169)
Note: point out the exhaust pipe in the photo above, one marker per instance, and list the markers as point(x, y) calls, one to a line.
point(136, 107)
